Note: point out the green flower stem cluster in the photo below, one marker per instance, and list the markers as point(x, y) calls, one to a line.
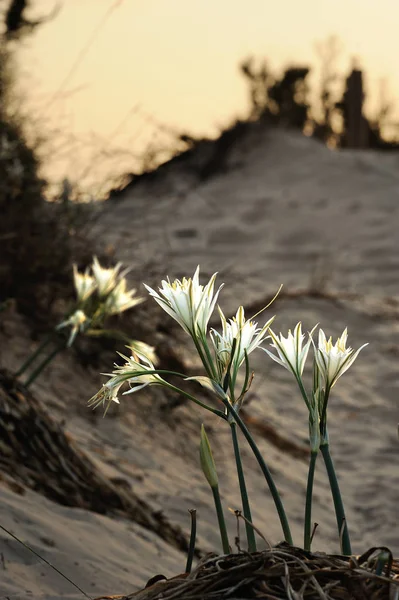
point(224, 353)
point(342, 525)
point(100, 293)
point(31, 359)
point(307, 534)
point(243, 489)
point(330, 361)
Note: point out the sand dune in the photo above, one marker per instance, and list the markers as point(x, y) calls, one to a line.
point(284, 210)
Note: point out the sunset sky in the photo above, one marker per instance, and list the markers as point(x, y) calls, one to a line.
point(175, 62)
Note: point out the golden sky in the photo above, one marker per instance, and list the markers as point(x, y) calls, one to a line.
point(176, 61)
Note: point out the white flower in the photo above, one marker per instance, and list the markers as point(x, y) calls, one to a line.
point(84, 283)
point(291, 353)
point(188, 302)
point(334, 359)
point(120, 300)
point(107, 394)
point(106, 279)
point(141, 350)
point(134, 372)
point(77, 321)
point(248, 337)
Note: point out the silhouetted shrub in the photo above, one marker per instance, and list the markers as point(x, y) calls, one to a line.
point(280, 101)
point(37, 242)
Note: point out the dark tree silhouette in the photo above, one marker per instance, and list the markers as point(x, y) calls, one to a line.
point(328, 52)
point(259, 80)
point(14, 16)
point(278, 100)
point(16, 22)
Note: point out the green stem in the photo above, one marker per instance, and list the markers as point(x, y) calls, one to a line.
point(34, 354)
point(215, 411)
point(308, 509)
point(137, 373)
point(265, 470)
point(227, 378)
point(191, 548)
point(109, 333)
point(382, 560)
point(244, 388)
point(221, 521)
point(303, 392)
point(338, 504)
point(243, 489)
point(209, 367)
point(323, 417)
point(42, 365)
point(209, 358)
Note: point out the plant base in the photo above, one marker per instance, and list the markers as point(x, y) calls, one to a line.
point(281, 572)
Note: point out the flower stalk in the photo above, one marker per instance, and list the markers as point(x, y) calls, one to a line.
point(243, 489)
point(193, 535)
point(308, 507)
point(35, 354)
point(43, 364)
point(215, 411)
point(221, 520)
point(330, 362)
point(265, 470)
point(99, 294)
point(342, 525)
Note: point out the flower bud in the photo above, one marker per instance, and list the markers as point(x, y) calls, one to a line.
point(207, 462)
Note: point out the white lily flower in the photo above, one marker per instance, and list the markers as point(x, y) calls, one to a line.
point(84, 283)
point(119, 299)
point(188, 302)
point(334, 359)
point(248, 337)
point(107, 394)
point(141, 350)
point(291, 353)
point(77, 321)
point(106, 279)
point(133, 372)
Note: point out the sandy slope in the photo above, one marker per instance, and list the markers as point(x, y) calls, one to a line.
point(285, 210)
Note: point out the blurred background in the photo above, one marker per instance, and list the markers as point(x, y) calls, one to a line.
point(111, 86)
point(97, 92)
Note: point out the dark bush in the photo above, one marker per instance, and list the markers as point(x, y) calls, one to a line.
point(37, 241)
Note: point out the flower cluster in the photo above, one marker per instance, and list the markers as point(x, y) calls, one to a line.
point(191, 305)
point(238, 338)
point(330, 362)
point(100, 292)
point(223, 352)
point(138, 371)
